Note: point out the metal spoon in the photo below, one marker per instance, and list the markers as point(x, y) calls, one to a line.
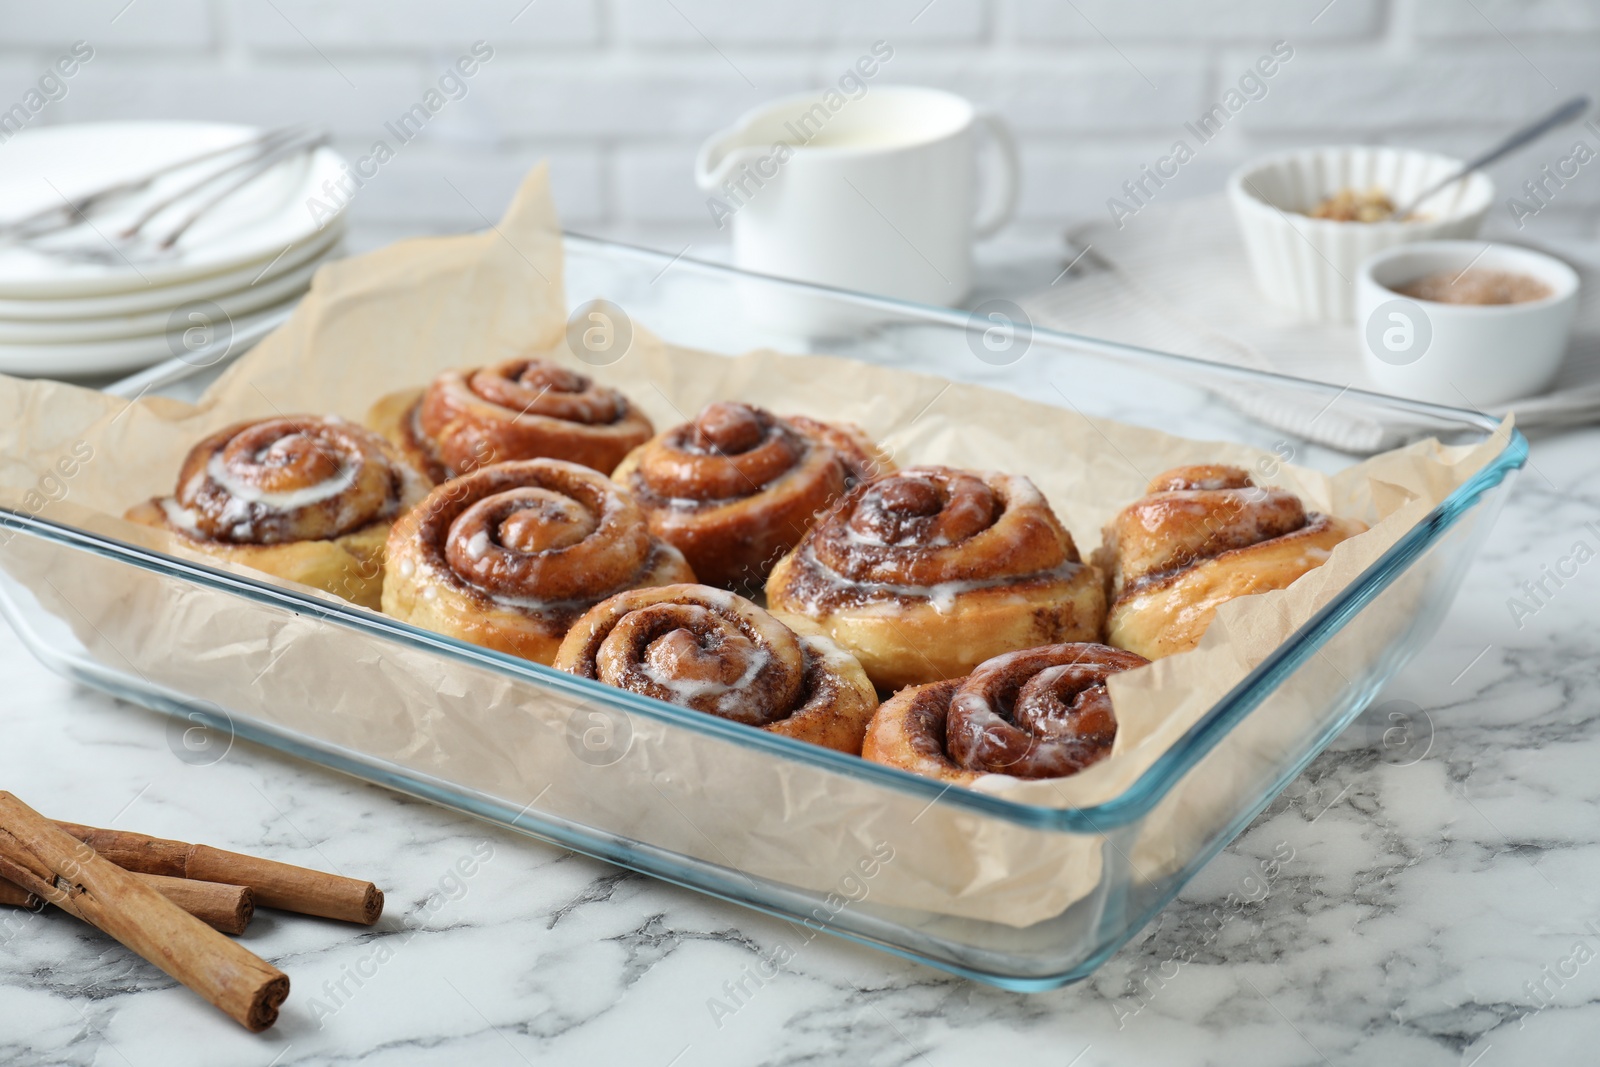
point(1562, 115)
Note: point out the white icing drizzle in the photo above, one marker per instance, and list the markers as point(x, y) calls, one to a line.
point(217, 471)
point(414, 417)
point(941, 596)
point(1020, 492)
point(192, 487)
point(824, 648)
point(529, 604)
point(720, 598)
point(185, 519)
point(728, 695)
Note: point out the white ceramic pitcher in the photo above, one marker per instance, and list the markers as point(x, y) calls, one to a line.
point(876, 192)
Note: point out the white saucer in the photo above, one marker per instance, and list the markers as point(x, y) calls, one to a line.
point(165, 297)
point(107, 357)
point(47, 165)
point(143, 324)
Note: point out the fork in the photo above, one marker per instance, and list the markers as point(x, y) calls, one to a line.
point(262, 152)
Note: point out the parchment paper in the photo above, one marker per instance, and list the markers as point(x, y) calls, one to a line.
point(396, 317)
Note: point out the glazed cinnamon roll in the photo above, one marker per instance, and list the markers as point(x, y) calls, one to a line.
point(716, 652)
point(927, 573)
point(1200, 537)
point(1038, 713)
point(519, 409)
point(509, 555)
point(738, 487)
point(305, 498)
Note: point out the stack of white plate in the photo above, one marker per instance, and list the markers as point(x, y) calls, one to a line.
point(87, 301)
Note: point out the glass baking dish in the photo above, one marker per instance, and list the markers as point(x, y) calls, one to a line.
point(617, 798)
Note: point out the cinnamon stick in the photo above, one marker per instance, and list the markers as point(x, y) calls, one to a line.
point(228, 908)
point(274, 884)
point(50, 863)
point(14, 896)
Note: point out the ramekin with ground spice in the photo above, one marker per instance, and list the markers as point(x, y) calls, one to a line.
point(1468, 324)
point(1475, 285)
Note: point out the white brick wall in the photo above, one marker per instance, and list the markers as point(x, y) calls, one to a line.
point(619, 93)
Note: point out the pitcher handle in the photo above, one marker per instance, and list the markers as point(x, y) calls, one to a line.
point(1001, 207)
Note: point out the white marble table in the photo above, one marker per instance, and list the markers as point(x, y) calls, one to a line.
point(1439, 906)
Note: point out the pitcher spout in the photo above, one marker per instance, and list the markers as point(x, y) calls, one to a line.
point(722, 156)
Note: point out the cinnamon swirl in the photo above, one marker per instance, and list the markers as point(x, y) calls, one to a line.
point(1038, 713)
point(1200, 537)
point(927, 573)
point(738, 487)
point(306, 498)
point(509, 555)
point(519, 409)
point(716, 652)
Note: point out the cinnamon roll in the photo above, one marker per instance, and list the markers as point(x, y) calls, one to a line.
point(509, 555)
point(519, 409)
point(718, 653)
point(927, 573)
point(1038, 713)
point(305, 498)
point(1200, 537)
point(738, 487)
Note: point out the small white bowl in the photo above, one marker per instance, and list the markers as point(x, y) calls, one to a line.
point(1463, 355)
point(1309, 265)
